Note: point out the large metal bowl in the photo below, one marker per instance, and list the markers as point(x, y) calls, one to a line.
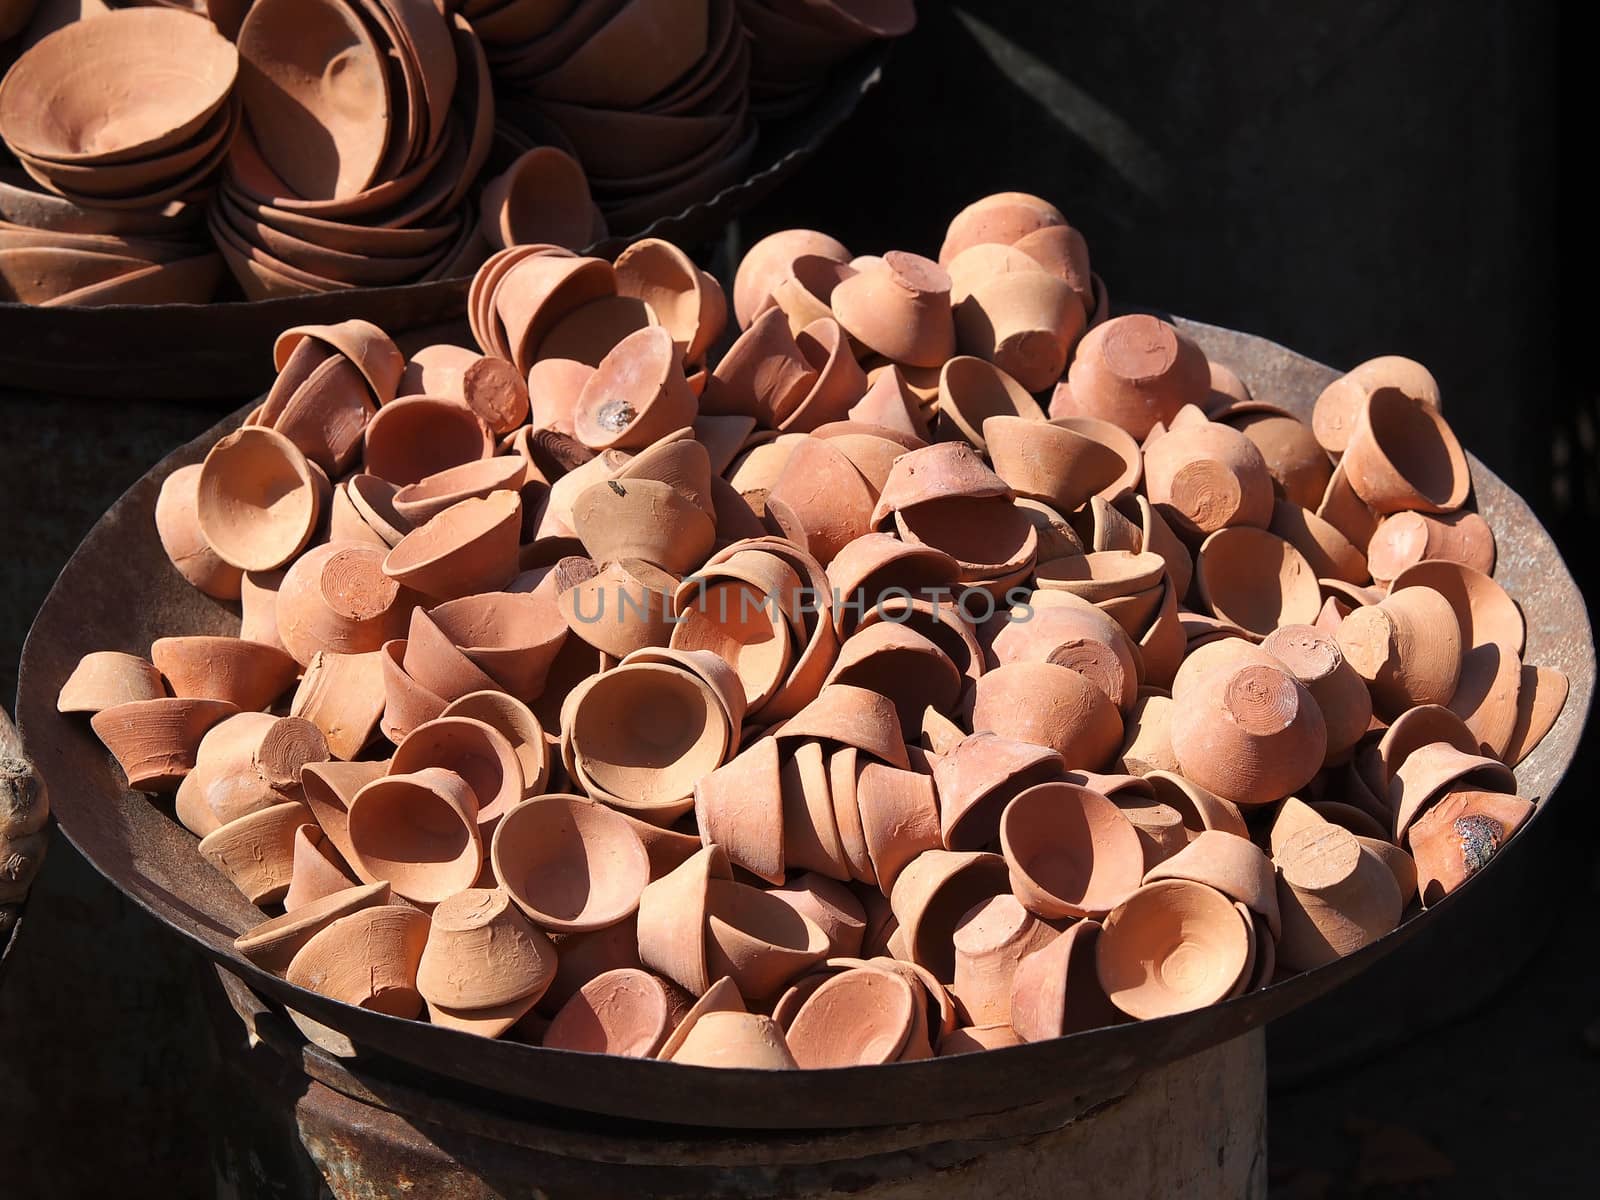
point(119, 592)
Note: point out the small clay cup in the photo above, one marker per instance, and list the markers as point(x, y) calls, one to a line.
point(1172, 947)
point(1069, 851)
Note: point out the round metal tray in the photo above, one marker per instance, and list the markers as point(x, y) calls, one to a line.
point(119, 592)
point(197, 351)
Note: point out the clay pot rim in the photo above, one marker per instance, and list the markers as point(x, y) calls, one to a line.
point(631, 847)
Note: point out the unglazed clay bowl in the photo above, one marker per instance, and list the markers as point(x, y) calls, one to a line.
point(118, 593)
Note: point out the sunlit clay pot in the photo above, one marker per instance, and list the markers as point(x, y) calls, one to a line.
point(1056, 989)
point(571, 864)
point(1428, 771)
point(419, 832)
point(901, 664)
point(770, 261)
point(155, 741)
point(1314, 658)
point(273, 944)
point(747, 1041)
point(1134, 371)
point(1050, 706)
point(809, 838)
point(624, 606)
point(637, 394)
point(1338, 408)
point(1403, 455)
point(899, 818)
point(645, 519)
point(672, 919)
point(1252, 734)
point(373, 500)
point(1454, 839)
point(1062, 251)
point(858, 1017)
point(1025, 322)
point(740, 807)
point(889, 403)
point(515, 722)
point(484, 965)
point(840, 382)
point(321, 403)
point(759, 942)
point(644, 734)
point(1328, 551)
point(1407, 647)
point(764, 374)
point(990, 941)
point(721, 997)
point(1049, 462)
point(489, 386)
point(178, 524)
point(899, 307)
point(688, 302)
point(1147, 736)
point(512, 637)
point(368, 958)
point(536, 292)
point(978, 777)
point(554, 385)
point(1221, 652)
point(1004, 217)
point(1256, 580)
point(471, 749)
point(1298, 465)
point(627, 1011)
point(1070, 852)
point(258, 499)
point(256, 851)
point(336, 597)
point(420, 502)
point(943, 472)
point(418, 436)
point(1483, 609)
point(470, 547)
point(106, 678)
point(1541, 696)
point(1103, 575)
point(1232, 865)
point(1206, 476)
point(1068, 631)
point(1404, 539)
point(832, 905)
point(971, 391)
point(864, 571)
point(1334, 895)
point(543, 196)
point(931, 896)
point(823, 492)
point(851, 716)
point(1173, 946)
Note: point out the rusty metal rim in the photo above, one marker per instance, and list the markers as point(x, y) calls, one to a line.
point(126, 837)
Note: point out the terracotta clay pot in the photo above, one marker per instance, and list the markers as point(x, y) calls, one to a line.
point(1338, 408)
point(1314, 658)
point(901, 664)
point(477, 752)
point(155, 741)
point(870, 566)
point(740, 1040)
point(489, 386)
point(933, 893)
point(673, 919)
point(824, 496)
point(637, 395)
point(1407, 647)
point(1483, 610)
point(859, 1017)
point(1025, 322)
point(1404, 539)
point(1297, 463)
point(419, 832)
point(1329, 552)
point(1256, 580)
point(178, 524)
point(941, 472)
point(1252, 735)
point(899, 819)
point(258, 499)
point(273, 944)
point(1541, 696)
point(627, 1011)
point(542, 197)
point(688, 302)
point(256, 851)
point(760, 943)
point(810, 834)
point(1048, 462)
point(764, 374)
point(740, 807)
point(418, 436)
point(420, 502)
point(832, 905)
point(105, 678)
point(1454, 839)
point(1335, 897)
point(470, 547)
point(1134, 371)
point(1070, 852)
point(1172, 947)
point(1005, 217)
point(1428, 771)
point(644, 734)
point(971, 391)
point(1147, 737)
point(515, 722)
point(1056, 990)
point(484, 965)
point(851, 716)
point(770, 261)
point(1064, 629)
point(1214, 655)
point(1232, 865)
point(990, 941)
point(337, 597)
point(899, 308)
point(1346, 511)
point(888, 402)
point(512, 638)
point(368, 958)
point(1207, 476)
point(1050, 706)
point(643, 519)
point(1403, 455)
point(622, 607)
point(978, 777)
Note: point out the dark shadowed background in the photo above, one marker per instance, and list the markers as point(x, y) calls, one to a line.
point(1350, 179)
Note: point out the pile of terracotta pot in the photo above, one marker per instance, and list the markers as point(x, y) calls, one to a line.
point(320, 145)
point(946, 664)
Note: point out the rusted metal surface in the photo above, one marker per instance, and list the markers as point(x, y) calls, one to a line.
point(118, 592)
point(202, 351)
point(1195, 1128)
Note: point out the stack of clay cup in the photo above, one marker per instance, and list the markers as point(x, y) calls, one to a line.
point(794, 43)
point(652, 97)
point(366, 122)
point(948, 664)
point(120, 124)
